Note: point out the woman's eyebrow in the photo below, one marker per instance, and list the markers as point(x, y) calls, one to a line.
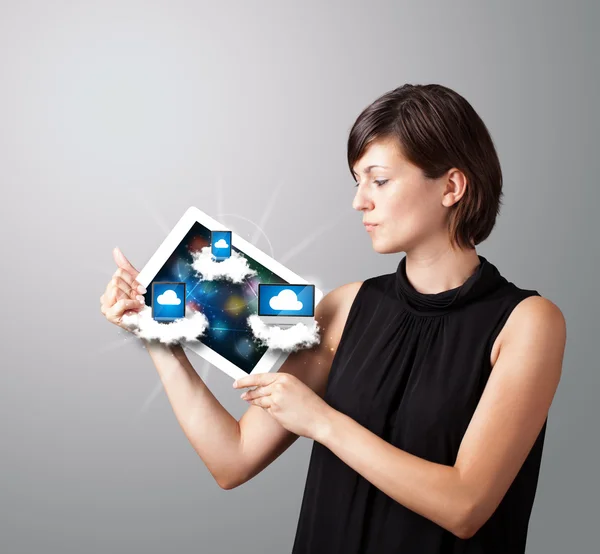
point(367, 169)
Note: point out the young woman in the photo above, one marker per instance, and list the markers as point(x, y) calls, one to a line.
point(428, 396)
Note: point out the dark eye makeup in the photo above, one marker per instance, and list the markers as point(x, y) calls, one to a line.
point(379, 182)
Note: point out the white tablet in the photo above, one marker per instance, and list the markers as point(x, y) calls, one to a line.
point(228, 341)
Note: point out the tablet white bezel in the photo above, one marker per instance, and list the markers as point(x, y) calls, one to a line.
point(272, 359)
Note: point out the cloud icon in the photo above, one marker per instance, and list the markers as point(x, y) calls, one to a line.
point(168, 298)
point(182, 330)
point(221, 243)
point(289, 340)
point(285, 300)
point(235, 268)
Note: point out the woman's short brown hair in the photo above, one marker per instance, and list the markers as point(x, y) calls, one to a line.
point(437, 129)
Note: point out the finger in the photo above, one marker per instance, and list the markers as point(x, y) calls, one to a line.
point(110, 293)
point(258, 392)
point(123, 285)
point(104, 312)
point(261, 403)
point(115, 313)
point(123, 262)
point(251, 380)
point(119, 289)
point(244, 382)
point(114, 294)
point(125, 276)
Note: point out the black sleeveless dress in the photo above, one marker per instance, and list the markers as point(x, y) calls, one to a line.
point(411, 368)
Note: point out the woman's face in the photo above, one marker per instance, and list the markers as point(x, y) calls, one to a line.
point(406, 208)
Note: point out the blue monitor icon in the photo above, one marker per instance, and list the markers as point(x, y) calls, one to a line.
point(286, 300)
point(220, 244)
point(168, 301)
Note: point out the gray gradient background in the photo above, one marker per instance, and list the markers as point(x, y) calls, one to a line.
point(117, 116)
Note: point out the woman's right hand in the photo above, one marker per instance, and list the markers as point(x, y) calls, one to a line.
point(122, 294)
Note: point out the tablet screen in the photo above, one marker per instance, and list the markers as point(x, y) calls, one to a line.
point(226, 305)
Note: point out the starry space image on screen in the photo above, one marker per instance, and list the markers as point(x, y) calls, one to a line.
point(226, 305)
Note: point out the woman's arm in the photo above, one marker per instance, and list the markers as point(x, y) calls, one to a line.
point(235, 452)
point(504, 427)
point(212, 431)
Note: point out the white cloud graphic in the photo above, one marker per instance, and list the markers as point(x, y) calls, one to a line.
point(288, 339)
point(235, 268)
point(185, 329)
point(221, 243)
point(285, 300)
point(168, 298)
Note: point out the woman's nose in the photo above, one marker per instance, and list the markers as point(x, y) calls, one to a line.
point(361, 200)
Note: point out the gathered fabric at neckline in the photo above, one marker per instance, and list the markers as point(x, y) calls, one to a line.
point(485, 279)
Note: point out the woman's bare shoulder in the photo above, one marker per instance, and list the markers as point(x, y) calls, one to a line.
point(339, 299)
point(332, 311)
point(347, 293)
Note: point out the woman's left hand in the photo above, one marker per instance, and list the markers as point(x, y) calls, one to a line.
point(293, 404)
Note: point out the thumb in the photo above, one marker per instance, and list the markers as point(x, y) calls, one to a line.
point(123, 262)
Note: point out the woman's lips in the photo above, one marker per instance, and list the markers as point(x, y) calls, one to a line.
point(370, 226)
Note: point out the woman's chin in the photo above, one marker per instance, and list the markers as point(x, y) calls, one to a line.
point(383, 247)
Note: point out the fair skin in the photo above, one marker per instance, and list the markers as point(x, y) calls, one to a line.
point(410, 213)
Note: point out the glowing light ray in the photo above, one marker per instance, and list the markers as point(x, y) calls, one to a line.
point(250, 221)
point(249, 285)
point(194, 287)
point(267, 212)
point(308, 240)
point(113, 345)
point(151, 397)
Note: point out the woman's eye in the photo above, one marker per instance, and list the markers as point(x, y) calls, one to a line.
point(379, 182)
